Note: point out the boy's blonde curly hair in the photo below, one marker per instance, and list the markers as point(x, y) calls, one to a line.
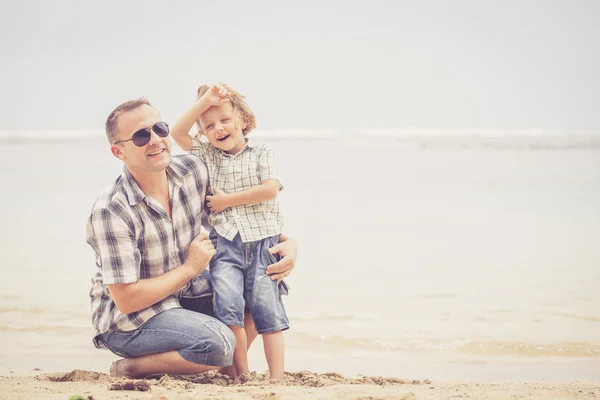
point(238, 103)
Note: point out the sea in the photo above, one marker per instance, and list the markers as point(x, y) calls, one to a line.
point(423, 254)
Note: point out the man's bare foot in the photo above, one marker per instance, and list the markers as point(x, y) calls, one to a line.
point(118, 369)
point(241, 379)
point(230, 371)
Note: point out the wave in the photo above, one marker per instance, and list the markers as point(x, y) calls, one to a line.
point(336, 343)
point(420, 138)
point(346, 317)
point(578, 317)
point(323, 133)
point(28, 134)
point(35, 312)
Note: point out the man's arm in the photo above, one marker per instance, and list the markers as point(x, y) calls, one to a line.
point(132, 297)
point(220, 201)
point(216, 95)
point(119, 258)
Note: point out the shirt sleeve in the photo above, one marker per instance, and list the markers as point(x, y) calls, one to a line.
point(200, 149)
point(266, 166)
point(116, 248)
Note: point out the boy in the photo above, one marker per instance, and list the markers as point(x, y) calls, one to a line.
point(244, 216)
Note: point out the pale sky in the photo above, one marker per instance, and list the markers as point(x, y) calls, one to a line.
point(336, 65)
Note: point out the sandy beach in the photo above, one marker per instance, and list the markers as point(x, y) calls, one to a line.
point(298, 385)
point(483, 296)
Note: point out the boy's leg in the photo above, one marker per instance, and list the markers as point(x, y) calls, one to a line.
point(251, 333)
point(176, 341)
point(264, 300)
point(227, 277)
point(274, 353)
point(240, 355)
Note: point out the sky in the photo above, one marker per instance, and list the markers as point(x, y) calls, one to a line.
point(319, 65)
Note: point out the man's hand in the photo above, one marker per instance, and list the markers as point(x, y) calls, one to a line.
point(218, 202)
point(288, 250)
point(200, 252)
point(216, 95)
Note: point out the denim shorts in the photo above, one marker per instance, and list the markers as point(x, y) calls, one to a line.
point(199, 338)
point(240, 282)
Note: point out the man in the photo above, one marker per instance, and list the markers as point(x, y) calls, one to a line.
point(151, 299)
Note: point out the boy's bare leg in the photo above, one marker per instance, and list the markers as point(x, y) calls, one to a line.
point(251, 334)
point(170, 362)
point(273, 343)
point(240, 355)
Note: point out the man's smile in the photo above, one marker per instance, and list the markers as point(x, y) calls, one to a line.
point(156, 152)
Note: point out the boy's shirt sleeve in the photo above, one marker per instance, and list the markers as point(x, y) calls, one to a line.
point(200, 149)
point(266, 166)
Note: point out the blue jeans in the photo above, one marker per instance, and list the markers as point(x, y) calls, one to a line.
point(240, 282)
point(199, 338)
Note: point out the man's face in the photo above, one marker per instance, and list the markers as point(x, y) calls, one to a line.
point(223, 128)
point(155, 156)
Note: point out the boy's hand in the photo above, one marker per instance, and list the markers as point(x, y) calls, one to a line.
point(218, 202)
point(216, 95)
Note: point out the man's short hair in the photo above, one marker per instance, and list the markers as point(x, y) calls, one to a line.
point(112, 122)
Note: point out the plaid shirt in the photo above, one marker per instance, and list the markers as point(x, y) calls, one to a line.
point(134, 238)
point(236, 173)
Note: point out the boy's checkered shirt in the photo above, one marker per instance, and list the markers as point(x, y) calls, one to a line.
point(236, 173)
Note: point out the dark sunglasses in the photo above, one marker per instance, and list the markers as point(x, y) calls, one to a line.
point(142, 137)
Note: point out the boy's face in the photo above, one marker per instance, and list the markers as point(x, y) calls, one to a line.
point(223, 128)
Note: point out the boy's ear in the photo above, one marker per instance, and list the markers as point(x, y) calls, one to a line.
point(116, 151)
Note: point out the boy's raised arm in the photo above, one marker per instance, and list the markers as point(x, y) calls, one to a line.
point(217, 95)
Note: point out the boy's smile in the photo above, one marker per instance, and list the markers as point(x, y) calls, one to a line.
point(223, 128)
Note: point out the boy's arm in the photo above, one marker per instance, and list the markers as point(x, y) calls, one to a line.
point(216, 95)
point(265, 191)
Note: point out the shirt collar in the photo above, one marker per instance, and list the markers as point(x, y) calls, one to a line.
point(135, 195)
point(247, 145)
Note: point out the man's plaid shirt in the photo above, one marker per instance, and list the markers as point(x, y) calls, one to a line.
point(134, 239)
point(236, 173)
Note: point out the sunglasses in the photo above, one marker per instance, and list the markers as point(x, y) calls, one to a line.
point(142, 137)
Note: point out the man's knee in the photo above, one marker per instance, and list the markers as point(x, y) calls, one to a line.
point(219, 347)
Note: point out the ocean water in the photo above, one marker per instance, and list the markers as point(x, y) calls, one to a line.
point(460, 255)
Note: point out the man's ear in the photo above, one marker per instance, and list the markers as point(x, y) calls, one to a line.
point(116, 151)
